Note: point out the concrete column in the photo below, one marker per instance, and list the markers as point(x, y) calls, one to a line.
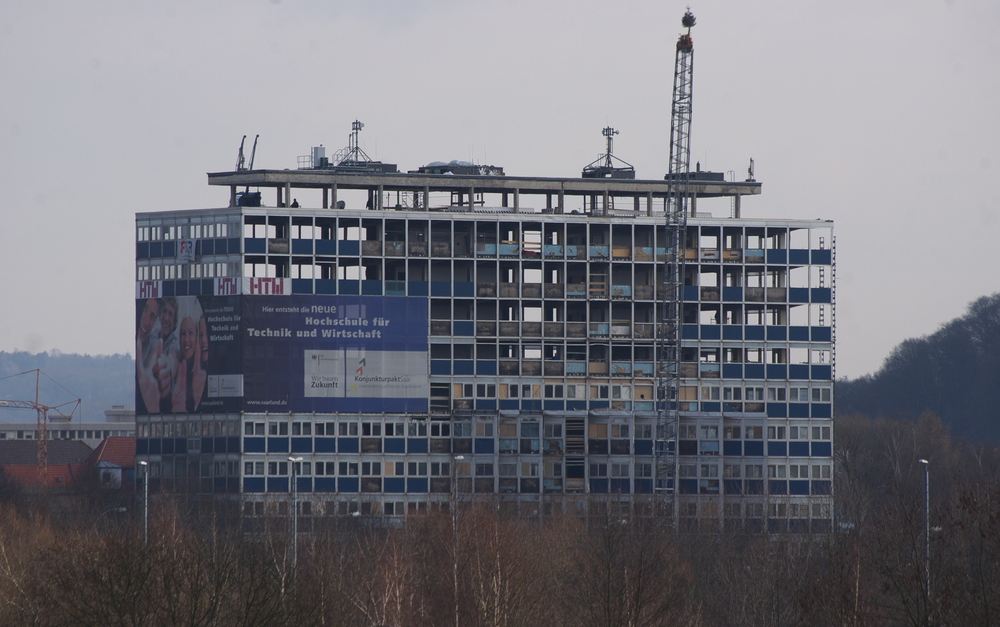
point(503, 203)
point(427, 198)
point(288, 194)
point(277, 202)
point(649, 204)
point(333, 196)
point(517, 201)
point(378, 203)
point(232, 195)
point(472, 199)
point(562, 201)
point(607, 201)
point(548, 202)
point(736, 206)
point(326, 197)
point(694, 205)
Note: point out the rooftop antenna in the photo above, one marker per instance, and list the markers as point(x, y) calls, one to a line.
point(610, 134)
point(354, 152)
point(604, 166)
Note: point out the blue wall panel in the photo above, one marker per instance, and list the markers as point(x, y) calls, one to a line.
point(732, 371)
point(395, 445)
point(394, 485)
point(349, 247)
point(798, 449)
point(711, 332)
point(798, 488)
point(732, 332)
point(326, 484)
point(277, 484)
point(253, 485)
point(798, 410)
point(822, 449)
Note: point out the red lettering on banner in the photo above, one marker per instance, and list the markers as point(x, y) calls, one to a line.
point(267, 286)
point(148, 289)
point(227, 286)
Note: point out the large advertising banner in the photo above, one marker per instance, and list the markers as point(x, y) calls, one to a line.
point(188, 355)
point(208, 354)
point(335, 353)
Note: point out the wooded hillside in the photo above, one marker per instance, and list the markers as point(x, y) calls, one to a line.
point(101, 381)
point(954, 372)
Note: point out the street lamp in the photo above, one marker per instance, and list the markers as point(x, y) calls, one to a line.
point(927, 529)
point(145, 501)
point(454, 529)
point(295, 513)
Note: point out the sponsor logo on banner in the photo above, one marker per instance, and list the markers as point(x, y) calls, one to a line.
point(185, 250)
point(149, 289)
point(267, 286)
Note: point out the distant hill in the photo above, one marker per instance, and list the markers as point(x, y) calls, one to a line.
point(101, 381)
point(954, 372)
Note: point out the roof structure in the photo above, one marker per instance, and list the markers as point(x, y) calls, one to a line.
point(70, 461)
point(61, 476)
point(116, 450)
point(318, 179)
point(25, 452)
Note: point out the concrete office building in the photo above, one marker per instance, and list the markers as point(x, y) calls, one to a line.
point(392, 333)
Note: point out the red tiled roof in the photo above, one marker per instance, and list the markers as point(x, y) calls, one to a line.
point(118, 450)
point(69, 460)
point(63, 476)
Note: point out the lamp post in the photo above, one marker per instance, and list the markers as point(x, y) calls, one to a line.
point(454, 529)
point(927, 530)
point(145, 502)
point(295, 513)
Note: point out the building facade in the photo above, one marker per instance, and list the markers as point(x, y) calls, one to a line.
point(418, 338)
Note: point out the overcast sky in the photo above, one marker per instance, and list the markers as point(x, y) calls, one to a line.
point(882, 116)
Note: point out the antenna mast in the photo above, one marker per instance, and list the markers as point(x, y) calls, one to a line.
point(669, 335)
point(354, 152)
point(605, 165)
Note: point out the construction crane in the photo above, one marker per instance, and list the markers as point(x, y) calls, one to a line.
point(669, 335)
point(43, 421)
point(246, 198)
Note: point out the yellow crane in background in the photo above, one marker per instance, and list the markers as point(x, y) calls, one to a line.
point(42, 411)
